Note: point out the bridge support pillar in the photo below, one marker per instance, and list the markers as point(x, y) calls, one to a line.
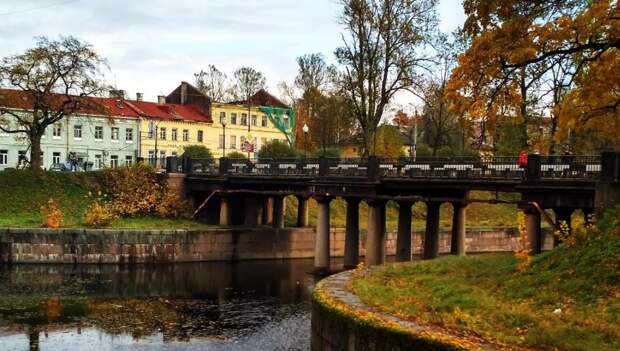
point(302, 211)
point(321, 244)
point(563, 217)
point(252, 211)
point(268, 210)
point(457, 245)
point(225, 213)
point(352, 234)
point(403, 238)
point(431, 234)
point(278, 212)
point(532, 228)
point(375, 238)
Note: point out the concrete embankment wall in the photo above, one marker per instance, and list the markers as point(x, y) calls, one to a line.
point(22, 245)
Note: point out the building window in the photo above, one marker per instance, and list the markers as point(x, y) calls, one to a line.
point(162, 157)
point(244, 119)
point(185, 135)
point(162, 133)
point(222, 117)
point(263, 121)
point(114, 135)
point(22, 157)
point(114, 161)
point(77, 132)
point(221, 141)
point(98, 162)
point(241, 142)
point(151, 154)
point(173, 135)
point(128, 160)
point(199, 136)
point(254, 120)
point(57, 130)
point(174, 154)
point(98, 133)
point(4, 157)
point(129, 134)
point(286, 123)
point(56, 157)
point(233, 118)
point(233, 141)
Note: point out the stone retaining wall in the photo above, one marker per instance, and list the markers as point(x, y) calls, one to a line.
point(22, 245)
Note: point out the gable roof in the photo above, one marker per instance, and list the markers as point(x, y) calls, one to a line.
point(167, 111)
point(263, 98)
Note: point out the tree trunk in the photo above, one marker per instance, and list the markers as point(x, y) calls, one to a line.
point(35, 151)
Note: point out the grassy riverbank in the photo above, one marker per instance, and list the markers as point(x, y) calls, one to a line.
point(566, 299)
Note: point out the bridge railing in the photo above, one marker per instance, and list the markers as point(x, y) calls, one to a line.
point(462, 167)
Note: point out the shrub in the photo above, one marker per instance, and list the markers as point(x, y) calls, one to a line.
point(99, 214)
point(52, 215)
point(424, 150)
point(170, 205)
point(197, 151)
point(330, 152)
point(237, 155)
point(277, 149)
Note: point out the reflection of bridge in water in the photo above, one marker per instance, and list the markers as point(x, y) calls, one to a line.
point(251, 193)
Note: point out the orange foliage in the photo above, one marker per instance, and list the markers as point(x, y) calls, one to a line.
point(51, 214)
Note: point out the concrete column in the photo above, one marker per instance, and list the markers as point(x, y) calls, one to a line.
point(431, 235)
point(321, 244)
point(302, 211)
point(563, 215)
point(375, 246)
point(251, 211)
point(268, 210)
point(352, 235)
point(278, 212)
point(403, 239)
point(457, 245)
point(225, 213)
point(532, 227)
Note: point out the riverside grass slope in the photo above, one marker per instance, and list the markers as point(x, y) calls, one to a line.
point(568, 298)
point(22, 193)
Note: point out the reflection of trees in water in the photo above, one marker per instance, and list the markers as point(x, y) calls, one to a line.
point(183, 301)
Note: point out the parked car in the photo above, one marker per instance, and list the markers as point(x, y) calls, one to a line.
point(60, 167)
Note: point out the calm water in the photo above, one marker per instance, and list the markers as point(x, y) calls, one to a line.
point(255, 305)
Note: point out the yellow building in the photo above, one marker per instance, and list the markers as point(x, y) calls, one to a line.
point(188, 117)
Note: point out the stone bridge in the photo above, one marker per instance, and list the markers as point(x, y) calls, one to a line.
point(238, 192)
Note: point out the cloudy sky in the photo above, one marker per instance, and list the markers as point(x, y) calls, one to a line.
point(153, 45)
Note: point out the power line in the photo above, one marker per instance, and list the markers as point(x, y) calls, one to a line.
point(37, 8)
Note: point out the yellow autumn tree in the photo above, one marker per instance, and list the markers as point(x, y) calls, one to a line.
point(529, 58)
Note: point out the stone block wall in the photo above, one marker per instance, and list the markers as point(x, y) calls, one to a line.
point(161, 246)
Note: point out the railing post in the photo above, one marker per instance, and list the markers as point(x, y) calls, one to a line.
point(172, 164)
point(610, 166)
point(373, 167)
point(533, 168)
point(323, 166)
point(188, 167)
point(224, 165)
point(274, 167)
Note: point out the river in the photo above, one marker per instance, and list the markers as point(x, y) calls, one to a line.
point(251, 305)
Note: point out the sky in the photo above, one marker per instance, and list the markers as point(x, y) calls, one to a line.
point(151, 46)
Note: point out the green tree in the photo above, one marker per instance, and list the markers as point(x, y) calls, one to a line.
point(197, 151)
point(510, 139)
point(277, 149)
point(236, 155)
point(389, 142)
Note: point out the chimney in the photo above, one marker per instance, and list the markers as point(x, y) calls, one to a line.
point(117, 93)
point(161, 99)
point(183, 92)
point(139, 96)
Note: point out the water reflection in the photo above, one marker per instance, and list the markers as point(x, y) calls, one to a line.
point(257, 305)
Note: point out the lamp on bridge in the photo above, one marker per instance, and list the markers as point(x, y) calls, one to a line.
point(223, 121)
point(305, 129)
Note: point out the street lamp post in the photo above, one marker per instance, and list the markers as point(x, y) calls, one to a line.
point(305, 129)
point(223, 122)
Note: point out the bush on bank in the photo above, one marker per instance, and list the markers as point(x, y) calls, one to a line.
point(568, 298)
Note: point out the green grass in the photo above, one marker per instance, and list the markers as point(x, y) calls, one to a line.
point(157, 223)
point(486, 295)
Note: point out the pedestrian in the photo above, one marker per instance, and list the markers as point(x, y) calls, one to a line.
point(522, 161)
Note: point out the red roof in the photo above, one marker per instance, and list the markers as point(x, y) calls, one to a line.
point(169, 111)
point(20, 99)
